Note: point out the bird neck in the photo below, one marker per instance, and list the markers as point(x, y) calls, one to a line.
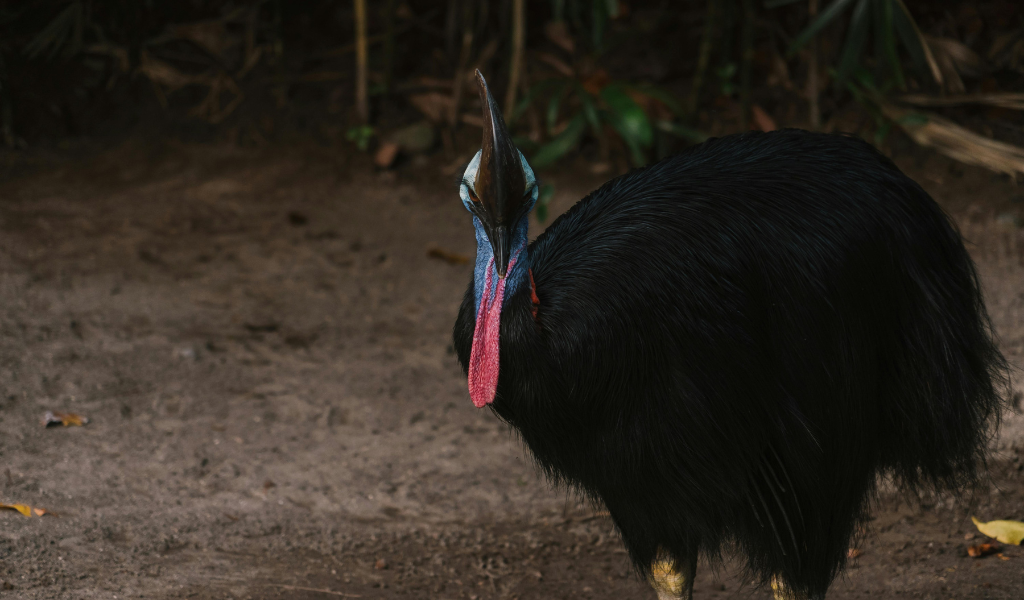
point(519, 263)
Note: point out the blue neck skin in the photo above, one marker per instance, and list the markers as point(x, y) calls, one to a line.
point(515, 276)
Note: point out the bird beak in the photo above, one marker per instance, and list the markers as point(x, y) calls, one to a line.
point(500, 182)
point(501, 244)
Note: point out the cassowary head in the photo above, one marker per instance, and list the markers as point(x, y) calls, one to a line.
point(499, 187)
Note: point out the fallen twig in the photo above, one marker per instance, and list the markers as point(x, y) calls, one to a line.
point(452, 258)
point(302, 588)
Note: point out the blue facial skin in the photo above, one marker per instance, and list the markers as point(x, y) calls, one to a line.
point(484, 254)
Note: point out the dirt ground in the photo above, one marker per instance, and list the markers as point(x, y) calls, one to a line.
point(262, 344)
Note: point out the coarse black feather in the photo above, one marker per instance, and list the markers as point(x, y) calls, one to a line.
point(733, 343)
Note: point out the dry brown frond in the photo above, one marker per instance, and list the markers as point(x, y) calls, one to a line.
point(956, 142)
point(1010, 100)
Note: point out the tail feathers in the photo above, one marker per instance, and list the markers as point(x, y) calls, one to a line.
point(946, 382)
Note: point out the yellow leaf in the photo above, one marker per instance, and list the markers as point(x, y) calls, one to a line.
point(1007, 532)
point(22, 508)
point(27, 510)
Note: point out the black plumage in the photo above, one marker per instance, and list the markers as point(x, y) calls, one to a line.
point(733, 343)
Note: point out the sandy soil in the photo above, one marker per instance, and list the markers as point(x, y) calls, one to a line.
point(262, 345)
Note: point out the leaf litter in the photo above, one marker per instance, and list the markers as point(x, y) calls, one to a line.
point(52, 419)
point(28, 511)
point(1007, 532)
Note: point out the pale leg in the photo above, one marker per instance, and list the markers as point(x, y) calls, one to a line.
point(672, 583)
point(781, 591)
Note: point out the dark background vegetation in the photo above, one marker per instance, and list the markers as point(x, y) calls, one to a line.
point(622, 82)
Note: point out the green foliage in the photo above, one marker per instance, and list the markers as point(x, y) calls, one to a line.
point(590, 17)
point(869, 94)
point(887, 22)
point(727, 76)
point(63, 34)
point(561, 144)
point(629, 120)
point(570, 111)
point(361, 136)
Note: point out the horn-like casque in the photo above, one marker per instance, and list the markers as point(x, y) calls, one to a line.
point(500, 183)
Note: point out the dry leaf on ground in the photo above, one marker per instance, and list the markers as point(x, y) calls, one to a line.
point(1007, 532)
point(27, 510)
point(982, 550)
point(52, 419)
point(452, 258)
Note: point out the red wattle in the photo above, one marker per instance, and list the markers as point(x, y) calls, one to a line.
point(483, 359)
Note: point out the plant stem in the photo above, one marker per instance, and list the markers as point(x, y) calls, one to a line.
point(461, 70)
point(812, 70)
point(362, 101)
point(518, 38)
point(451, 25)
point(389, 45)
point(703, 59)
point(6, 119)
point(747, 58)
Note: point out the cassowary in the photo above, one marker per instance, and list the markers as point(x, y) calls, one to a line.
point(728, 347)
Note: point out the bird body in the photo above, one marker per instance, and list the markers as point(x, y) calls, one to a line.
point(728, 347)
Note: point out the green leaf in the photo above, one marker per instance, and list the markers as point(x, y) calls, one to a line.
point(361, 136)
point(589, 109)
point(885, 41)
point(912, 41)
point(682, 131)
point(882, 132)
point(547, 191)
point(554, 103)
point(824, 18)
point(66, 28)
point(856, 37)
point(542, 213)
point(913, 120)
point(531, 94)
point(627, 117)
point(524, 143)
point(563, 143)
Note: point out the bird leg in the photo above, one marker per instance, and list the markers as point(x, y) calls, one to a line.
point(670, 582)
point(782, 591)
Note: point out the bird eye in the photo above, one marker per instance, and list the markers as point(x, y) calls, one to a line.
point(472, 196)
